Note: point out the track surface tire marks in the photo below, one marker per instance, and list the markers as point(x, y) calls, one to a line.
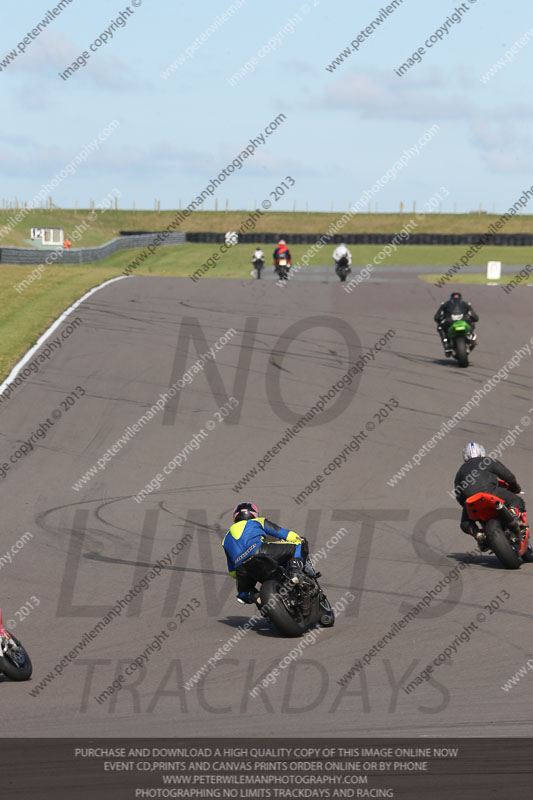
point(393, 554)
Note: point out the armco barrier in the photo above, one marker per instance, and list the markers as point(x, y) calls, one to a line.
point(85, 255)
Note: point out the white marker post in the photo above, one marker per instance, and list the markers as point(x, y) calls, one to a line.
point(494, 271)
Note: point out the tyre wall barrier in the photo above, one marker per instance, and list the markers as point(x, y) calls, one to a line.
point(499, 239)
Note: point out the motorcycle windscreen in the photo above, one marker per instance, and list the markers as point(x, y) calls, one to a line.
point(482, 506)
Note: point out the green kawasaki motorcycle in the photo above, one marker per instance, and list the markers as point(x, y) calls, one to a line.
point(460, 336)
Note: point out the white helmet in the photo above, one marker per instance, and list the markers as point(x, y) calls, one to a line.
point(473, 450)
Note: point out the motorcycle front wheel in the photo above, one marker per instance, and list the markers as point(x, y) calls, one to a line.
point(461, 351)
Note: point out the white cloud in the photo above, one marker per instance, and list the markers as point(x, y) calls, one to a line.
point(53, 51)
point(378, 95)
point(508, 162)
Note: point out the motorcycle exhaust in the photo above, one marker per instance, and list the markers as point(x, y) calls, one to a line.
point(509, 519)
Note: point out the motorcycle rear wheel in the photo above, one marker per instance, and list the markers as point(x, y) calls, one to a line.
point(501, 546)
point(273, 606)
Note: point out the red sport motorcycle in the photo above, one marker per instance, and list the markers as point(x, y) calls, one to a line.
point(14, 660)
point(505, 529)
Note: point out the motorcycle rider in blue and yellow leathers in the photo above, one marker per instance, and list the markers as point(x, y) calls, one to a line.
point(247, 538)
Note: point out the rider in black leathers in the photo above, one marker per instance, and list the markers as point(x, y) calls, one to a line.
point(443, 318)
point(480, 473)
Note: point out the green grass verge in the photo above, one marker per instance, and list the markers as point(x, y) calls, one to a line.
point(25, 315)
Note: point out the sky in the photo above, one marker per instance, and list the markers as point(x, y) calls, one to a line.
point(343, 128)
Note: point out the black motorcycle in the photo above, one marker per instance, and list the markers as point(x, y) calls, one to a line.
point(292, 604)
point(342, 268)
point(258, 263)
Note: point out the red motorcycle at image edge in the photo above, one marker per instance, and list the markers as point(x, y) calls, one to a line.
point(505, 529)
point(14, 660)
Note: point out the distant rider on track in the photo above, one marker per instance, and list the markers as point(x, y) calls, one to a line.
point(281, 251)
point(258, 260)
point(342, 258)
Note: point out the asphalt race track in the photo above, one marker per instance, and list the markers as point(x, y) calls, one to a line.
point(91, 546)
point(325, 273)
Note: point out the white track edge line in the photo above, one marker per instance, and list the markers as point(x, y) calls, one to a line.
point(25, 358)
